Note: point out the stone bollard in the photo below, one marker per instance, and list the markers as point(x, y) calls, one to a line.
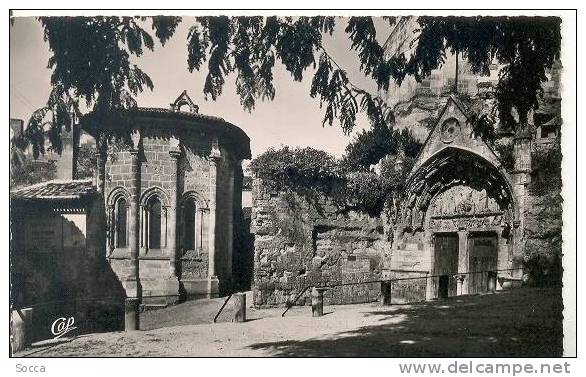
point(317, 302)
point(21, 328)
point(131, 314)
point(239, 307)
point(385, 293)
point(492, 276)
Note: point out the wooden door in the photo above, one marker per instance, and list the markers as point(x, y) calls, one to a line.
point(445, 264)
point(482, 261)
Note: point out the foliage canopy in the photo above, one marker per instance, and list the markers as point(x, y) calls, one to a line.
point(91, 61)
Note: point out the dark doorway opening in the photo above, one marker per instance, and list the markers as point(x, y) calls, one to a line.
point(443, 290)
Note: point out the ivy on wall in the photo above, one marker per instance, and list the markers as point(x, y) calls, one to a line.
point(546, 176)
point(314, 174)
point(369, 146)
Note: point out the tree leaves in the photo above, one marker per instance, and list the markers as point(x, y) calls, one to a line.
point(197, 44)
point(91, 61)
point(370, 146)
point(526, 47)
point(297, 44)
point(219, 64)
point(34, 131)
point(250, 47)
point(362, 33)
point(164, 27)
point(315, 174)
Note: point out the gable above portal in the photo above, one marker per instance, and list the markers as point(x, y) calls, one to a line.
point(452, 130)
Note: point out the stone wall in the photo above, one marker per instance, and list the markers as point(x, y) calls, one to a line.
point(543, 219)
point(302, 242)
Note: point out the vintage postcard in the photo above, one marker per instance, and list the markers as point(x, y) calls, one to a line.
point(299, 184)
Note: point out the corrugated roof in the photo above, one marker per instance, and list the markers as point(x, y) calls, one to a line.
point(56, 190)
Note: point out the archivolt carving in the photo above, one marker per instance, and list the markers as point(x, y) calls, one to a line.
point(454, 183)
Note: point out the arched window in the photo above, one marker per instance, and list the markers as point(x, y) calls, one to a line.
point(154, 205)
point(117, 217)
point(189, 225)
point(154, 221)
point(120, 222)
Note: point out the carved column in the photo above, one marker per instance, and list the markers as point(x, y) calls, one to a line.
point(230, 220)
point(133, 233)
point(111, 228)
point(101, 157)
point(199, 229)
point(132, 283)
point(521, 177)
point(172, 213)
point(215, 158)
point(463, 261)
point(430, 282)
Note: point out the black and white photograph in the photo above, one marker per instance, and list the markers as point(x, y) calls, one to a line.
point(299, 184)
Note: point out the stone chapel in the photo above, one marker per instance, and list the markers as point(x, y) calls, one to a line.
point(171, 191)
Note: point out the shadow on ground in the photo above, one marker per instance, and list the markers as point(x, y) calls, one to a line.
point(196, 312)
point(525, 322)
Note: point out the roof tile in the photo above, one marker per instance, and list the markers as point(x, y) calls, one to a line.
point(56, 189)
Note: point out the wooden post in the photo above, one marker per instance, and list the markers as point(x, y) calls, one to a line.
point(317, 302)
point(239, 307)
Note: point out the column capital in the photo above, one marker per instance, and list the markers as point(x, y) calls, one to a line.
point(215, 159)
point(135, 137)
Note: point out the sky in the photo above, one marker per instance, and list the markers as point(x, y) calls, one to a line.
point(293, 118)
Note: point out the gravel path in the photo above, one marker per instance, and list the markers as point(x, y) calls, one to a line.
point(523, 322)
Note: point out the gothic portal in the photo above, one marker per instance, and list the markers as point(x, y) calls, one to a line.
point(459, 223)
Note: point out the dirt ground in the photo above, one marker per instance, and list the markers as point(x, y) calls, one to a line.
point(526, 322)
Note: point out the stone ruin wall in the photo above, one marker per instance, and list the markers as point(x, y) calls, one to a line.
point(300, 243)
point(543, 215)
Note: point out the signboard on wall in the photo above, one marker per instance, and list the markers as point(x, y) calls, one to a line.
point(43, 234)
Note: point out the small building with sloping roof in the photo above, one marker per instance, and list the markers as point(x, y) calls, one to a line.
point(156, 224)
point(57, 267)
